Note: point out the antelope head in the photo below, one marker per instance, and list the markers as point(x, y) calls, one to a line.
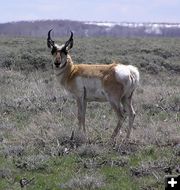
point(59, 53)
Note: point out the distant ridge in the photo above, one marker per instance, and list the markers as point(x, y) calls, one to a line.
point(39, 28)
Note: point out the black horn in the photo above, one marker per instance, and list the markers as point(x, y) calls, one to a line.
point(69, 43)
point(50, 42)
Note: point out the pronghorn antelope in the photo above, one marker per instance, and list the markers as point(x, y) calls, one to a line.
point(114, 83)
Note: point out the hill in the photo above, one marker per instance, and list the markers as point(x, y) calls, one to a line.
point(89, 29)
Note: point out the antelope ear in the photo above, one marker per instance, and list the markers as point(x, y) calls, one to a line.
point(69, 44)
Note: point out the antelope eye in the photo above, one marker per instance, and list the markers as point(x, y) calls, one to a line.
point(63, 50)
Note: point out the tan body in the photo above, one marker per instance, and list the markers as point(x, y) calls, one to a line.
point(114, 83)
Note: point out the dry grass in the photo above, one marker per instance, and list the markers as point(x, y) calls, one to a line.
point(34, 110)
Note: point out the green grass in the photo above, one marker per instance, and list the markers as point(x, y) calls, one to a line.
point(118, 178)
point(37, 118)
point(60, 169)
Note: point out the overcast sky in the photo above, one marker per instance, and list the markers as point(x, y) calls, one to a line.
point(91, 10)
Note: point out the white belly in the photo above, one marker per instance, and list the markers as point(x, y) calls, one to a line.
point(93, 88)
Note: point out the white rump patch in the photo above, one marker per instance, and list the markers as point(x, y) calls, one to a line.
point(128, 75)
point(122, 72)
point(134, 72)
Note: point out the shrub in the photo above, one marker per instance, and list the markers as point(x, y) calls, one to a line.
point(89, 151)
point(33, 162)
point(89, 182)
point(5, 173)
point(15, 150)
